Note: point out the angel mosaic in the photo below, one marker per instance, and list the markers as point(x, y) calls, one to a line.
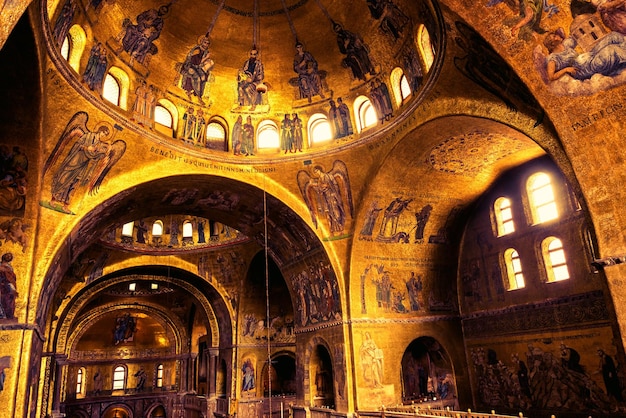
point(91, 156)
point(328, 195)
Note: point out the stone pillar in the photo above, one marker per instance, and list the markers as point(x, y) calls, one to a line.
point(193, 376)
point(59, 365)
point(212, 372)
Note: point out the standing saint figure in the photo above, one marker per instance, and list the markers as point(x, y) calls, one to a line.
point(250, 81)
point(8, 287)
point(96, 67)
point(196, 69)
point(247, 145)
point(140, 105)
point(237, 135)
point(309, 80)
point(296, 133)
point(371, 361)
point(286, 135)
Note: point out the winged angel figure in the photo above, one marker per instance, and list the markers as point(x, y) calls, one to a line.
point(327, 195)
point(88, 161)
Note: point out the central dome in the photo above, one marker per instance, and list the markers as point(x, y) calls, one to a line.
point(223, 59)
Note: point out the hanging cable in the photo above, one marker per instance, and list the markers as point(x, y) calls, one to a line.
point(324, 10)
point(217, 12)
point(255, 27)
point(291, 26)
point(267, 300)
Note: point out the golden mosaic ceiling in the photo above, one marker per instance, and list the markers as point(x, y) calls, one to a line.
point(153, 42)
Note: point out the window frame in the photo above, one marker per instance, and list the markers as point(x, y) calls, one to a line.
point(554, 259)
point(120, 368)
point(503, 219)
point(514, 270)
point(537, 203)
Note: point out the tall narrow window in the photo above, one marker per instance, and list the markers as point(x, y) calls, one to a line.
point(80, 381)
point(504, 216)
point(319, 129)
point(514, 269)
point(427, 51)
point(127, 229)
point(187, 229)
point(163, 116)
point(157, 228)
point(365, 113)
point(119, 378)
point(541, 198)
point(267, 134)
point(554, 259)
point(65, 48)
point(405, 89)
point(111, 90)
point(399, 85)
point(216, 136)
point(159, 376)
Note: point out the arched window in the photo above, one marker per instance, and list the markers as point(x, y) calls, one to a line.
point(111, 90)
point(157, 228)
point(159, 376)
point(541, 198)
point(119, 378)
point(319, 129)
point(365, 113)
point(513, 269)
point(399, 85)
point(65, 48)
point(425, 46)
point(73, 46)
point(216, 136)
point(187, 229)
point(554, 259)
point(267, 135)
point(80, 381)
point(405, 89)
point(504, 216)
point(115, 87)
point(163, 116)
point(127, 229)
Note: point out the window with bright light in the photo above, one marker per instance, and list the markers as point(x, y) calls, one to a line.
point(159, 376)
point(163, 116)
point(154, 286)
point(157, 228)
point(127, 229)
point(541, 198)
point(426, 49)
point(187, 229)
point(119, 377)
point(216, 136)
point(554, 259)
point(73, 51)
point(514, 269)
point(319, 129)
point(366, 114)
point(132, 287)
point(405, 89)
point(215, 132)
point(396, 83)
point(504, 216)
point(267, 135)
point(65, 48)
point(80, 381)
point(111, 90)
